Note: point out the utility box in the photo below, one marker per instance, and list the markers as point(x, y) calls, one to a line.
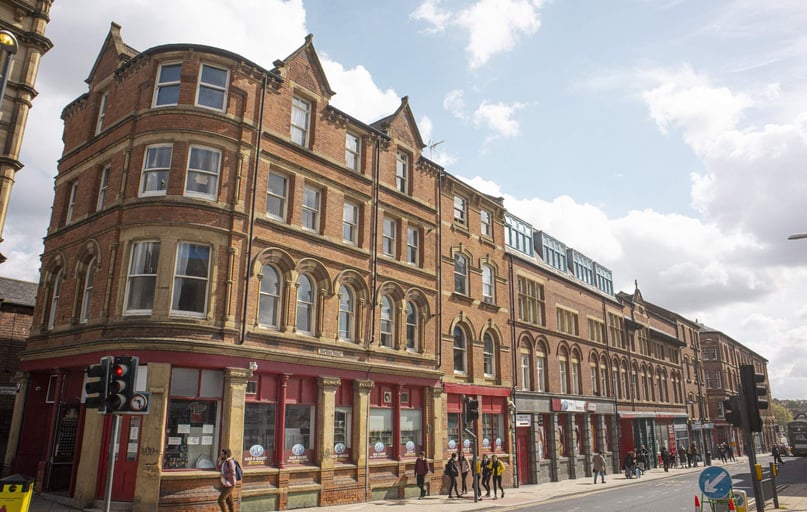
point(15, 493)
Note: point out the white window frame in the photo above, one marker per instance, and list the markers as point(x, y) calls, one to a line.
point(526, 370)
point(71, 203)
point(488, 284)
point(137, 271)
point(350, 222)
point(311, 208)
point(283, 198)
point(540, 370)
point(56, 291)
point(412, 326)
point(179, 282)
point(460, 210)
point(347, 314)
point(89, 278)
point(353, 151)
point(147, 171)
point(217, 88)
point(102, 188)
point(266, 294)
point(460, 352)
point(485, 226)
point(99, 123)
point(387, 324)
point(200, 173)
point(488, 356)
point(389, 237)
point(413, 245)
point(159, 85)
point(402, 172)
point(460, 276)
point(310, 306)
point(300, 133)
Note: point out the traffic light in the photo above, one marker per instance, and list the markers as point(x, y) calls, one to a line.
point(122, 380)
point(731, 411)
point(753, 388)
point(471, 409)
point(96, 389)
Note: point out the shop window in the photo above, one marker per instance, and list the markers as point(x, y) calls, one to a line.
point(342, 434)
point(193, 419)
point(380, 439)
point(259, 434)
point(411, 432)
point(493, 434)
point(299, 442)
point(453, 432)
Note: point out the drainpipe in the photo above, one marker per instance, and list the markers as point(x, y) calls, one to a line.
point(252, 212)
point(439, 252)
point(374, 238)
point(514, 370)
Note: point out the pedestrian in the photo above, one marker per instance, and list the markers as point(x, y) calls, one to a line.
point(496, 471)
point(693, 451)
point(226, 465)
point(777, 454)
point(486, 474)
point(598, 465)
point(421, 470)
point(628, 463)
point(665, 459)
point(465, 468)
point(478, 479)
point(453, 472)
point(730, 452)
point(721, 448)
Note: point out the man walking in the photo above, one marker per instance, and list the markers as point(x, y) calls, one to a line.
point(421, 470)
point(452, 471)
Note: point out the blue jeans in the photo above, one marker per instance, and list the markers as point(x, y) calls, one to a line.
point(599, 473)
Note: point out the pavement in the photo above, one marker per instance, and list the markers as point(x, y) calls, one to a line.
point(792, 497)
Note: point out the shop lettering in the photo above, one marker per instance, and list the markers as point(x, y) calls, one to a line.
point(148, 451)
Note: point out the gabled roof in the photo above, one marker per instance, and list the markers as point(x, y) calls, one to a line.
point(307, 47)
point(404, 109)
point(22, 293)
point(121, 49)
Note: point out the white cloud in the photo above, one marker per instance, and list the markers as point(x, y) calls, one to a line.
point(498, 117)
point(493, 26)
point(358, 94)
point(454, 103)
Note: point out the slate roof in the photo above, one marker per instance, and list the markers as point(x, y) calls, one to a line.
point(13, 291)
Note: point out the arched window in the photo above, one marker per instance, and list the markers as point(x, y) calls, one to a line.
point(269, 299)
point(305, 305)
point(540, 368)
point(460, 274)
point(89, 278)
point(575, 374)
point(387, 322)
point(347, 313)
point(524, 362)
point(56, 290)
point(411, 326)
point(460, 348)
point(563, 362)
point(488, 355)
point(603, 378)
point(488, 287)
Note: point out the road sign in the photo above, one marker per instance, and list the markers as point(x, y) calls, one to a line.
point(715, 482)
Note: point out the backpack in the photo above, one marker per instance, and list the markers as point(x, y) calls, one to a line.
point(239, 474)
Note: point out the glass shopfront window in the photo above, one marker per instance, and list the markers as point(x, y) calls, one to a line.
point(493, 434)
point(342, 433)
point(299, 440)
point(453, 442)
point(193, 419)
point(259, 434)
point(411, 432)
point(380, 440)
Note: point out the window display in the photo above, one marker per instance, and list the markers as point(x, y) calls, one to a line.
point(259, 434)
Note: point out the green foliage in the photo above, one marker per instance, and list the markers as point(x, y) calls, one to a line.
point(782, 414)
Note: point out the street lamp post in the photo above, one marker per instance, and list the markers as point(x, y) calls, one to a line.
point(8, 49)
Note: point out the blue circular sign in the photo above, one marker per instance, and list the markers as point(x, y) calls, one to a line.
point(715, 482)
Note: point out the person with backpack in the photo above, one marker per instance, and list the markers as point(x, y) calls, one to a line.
point(421, 470)
point(453, 472)
point(485, 475)
point(227, 465)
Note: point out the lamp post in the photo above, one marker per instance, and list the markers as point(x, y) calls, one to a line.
point(8, 49)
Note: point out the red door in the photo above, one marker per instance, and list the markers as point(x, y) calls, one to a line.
point(523, 447)
point(123, 482)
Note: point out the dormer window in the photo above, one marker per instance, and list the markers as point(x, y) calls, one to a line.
point(300, 120)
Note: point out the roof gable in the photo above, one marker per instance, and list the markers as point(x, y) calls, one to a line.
point(114, 53)
point(401, 125)
point(304, 67)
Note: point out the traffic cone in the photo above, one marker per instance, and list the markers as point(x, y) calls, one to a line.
point(697, 505)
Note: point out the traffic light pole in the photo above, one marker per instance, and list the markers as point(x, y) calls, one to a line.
point(110, 464)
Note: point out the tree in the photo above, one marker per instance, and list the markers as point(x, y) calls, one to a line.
point(783, 416)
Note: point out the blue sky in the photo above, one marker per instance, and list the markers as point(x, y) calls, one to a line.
point(666, 139)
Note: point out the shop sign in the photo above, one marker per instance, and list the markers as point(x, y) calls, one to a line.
point(523, 420)
point(569, 405)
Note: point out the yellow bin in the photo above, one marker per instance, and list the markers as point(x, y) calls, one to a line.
point(15, 493)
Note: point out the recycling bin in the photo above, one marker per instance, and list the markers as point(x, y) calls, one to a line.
point(15, 493)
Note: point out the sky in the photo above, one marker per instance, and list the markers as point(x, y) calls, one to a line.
point(665, 139)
